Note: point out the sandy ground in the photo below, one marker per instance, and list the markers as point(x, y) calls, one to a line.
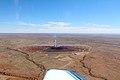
point(101, 62)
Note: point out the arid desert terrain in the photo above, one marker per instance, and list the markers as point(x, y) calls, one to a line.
point(29, 56)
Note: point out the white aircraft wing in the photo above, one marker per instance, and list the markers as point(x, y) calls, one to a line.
point(55, 74)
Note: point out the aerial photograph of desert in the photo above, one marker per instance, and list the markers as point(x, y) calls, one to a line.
point(59, 40)
point(29, 56)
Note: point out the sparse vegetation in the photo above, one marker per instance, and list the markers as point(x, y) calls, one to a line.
point(96, 57)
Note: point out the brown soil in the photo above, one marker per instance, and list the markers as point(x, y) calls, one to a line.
point(96, 58)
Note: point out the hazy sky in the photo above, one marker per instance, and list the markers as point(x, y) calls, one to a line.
point(59, 16)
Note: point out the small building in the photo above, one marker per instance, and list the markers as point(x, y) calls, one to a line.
point(55, 74)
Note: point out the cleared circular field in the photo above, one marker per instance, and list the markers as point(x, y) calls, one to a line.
point(55, 49)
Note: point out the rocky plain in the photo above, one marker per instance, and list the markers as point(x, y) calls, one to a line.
point(29, 56)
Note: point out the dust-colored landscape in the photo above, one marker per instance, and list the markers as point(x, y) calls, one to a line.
point(29, 56)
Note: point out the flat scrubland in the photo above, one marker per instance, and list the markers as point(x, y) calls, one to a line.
point(18, 61)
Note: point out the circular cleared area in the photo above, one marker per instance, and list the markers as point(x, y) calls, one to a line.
point(55, 49)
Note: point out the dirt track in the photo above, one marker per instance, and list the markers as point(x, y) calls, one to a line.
point(27, 56)
point(102, 62)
